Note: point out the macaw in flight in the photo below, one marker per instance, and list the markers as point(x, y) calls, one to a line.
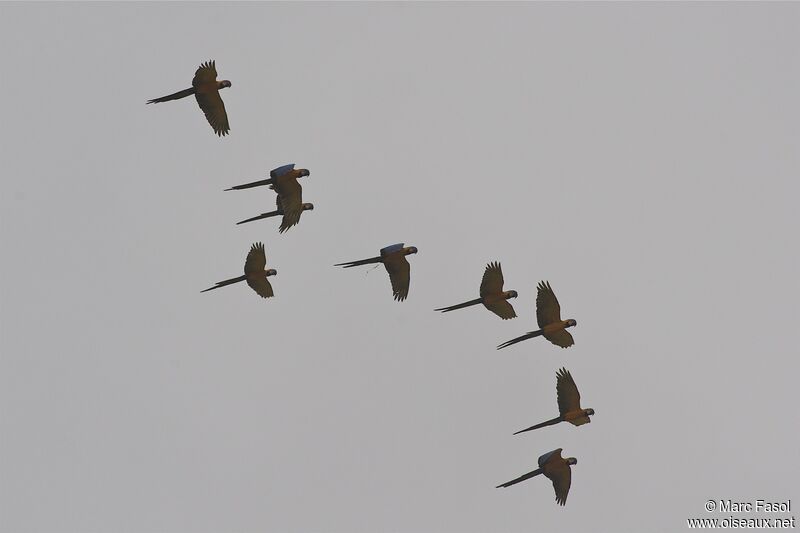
point(394, 260)
point(492, 297)
point(205, 89)
point(556, 469)
point(569, 404)
point(254, 273)
point(548, 316)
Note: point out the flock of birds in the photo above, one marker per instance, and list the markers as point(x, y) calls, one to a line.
point(289, 202)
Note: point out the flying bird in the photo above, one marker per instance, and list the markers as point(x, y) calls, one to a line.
point(394, 260)
point(282, 180)
point(492, 297)
point(548, 316)
point(205, 89)
point(569, 404)
point(556, 469)
point(254, 273)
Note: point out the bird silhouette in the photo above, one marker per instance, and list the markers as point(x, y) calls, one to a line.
point(556, 469)
point(205, 89)
point(254, 273)
point(569, 404)
point(548, 316)
point(283, 180)
point(394, 260)
point(492, 297)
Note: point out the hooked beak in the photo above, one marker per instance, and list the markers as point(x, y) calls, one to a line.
point(272, 272)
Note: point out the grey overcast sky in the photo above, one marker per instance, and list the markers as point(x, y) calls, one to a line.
point(642, 157)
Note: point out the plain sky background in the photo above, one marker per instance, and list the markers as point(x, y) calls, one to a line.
point(643, 158)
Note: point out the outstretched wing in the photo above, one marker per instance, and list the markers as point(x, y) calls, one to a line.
point(214, 109)
point(547, 308)
point(262, 286)
point(492, 282)
point(205, 73)
point(569, 399)
point(290, 195)
point(399, 274)
point(290, 218)
point(392, 248)
point(561, 476)
point(280, 171)
point(256, 260)
point(546, 457)
point(501, 308)
point(560, 337)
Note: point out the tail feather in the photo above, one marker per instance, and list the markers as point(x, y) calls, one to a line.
point(520, 478)
point(552, 422)
point(459, 306)
point(174, 96)
point(226, 282)
point(530, 335)
point(250, 185)
point(262, 215)
point(359, 262)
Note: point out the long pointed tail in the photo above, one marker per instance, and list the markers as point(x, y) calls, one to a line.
point(250, 185)
point(359, 262)
point(174, 96)
point(552, 422)
point(226, 282)
point(530, 335)
point(262, 215)
point(459, 306)
point(520, 478)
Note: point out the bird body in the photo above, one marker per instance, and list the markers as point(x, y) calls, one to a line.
point(548, 317)
point(569, 404)
point(281, 176)
point(493, 297)
point(205, 87)
point(290, 216)
point(394, 261)
point(556, 469)
point(254, 273)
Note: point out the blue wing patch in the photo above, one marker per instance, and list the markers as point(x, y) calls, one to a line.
point(280, 171)
point(392, 248)
point(543, 459)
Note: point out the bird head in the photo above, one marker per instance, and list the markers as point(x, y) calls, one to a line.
point(224, 83)
point(589, 411)
point(272, 272)
point(308, 207)
point(571, 323)
point(572, 461)
point(511, 294)
point(303, 172)
point(411, 250)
